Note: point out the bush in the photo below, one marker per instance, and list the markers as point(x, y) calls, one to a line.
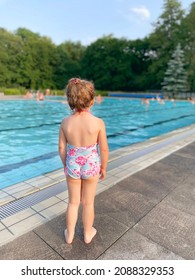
point(13, 91)
point(101, 92)
point(57, 92)
point(22, 91)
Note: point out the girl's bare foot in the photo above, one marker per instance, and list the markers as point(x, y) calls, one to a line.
point(88, 239)
point(68, 238)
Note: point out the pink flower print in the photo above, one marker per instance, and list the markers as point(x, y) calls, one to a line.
point(72, 152)
point(77, 172)
point(92, 166)
point(94, 169)
point(90, 156)
point(81, 160)
point(86, 172)
point(94, 151)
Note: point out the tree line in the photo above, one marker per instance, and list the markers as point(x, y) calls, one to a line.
point(34, 62)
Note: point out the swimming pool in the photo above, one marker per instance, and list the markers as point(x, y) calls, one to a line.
point(29, 130)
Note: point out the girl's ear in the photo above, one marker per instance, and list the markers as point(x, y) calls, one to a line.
point(92, 102)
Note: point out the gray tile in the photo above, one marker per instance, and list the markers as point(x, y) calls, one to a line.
point(6, 199)
point(19, 216)
point(127, 207)
point(134, 246)
point(24, 192)
point(188, 151)
point(183, 197)
point(28, 247)
point(54, 210)
point(170, 228)
point(161, 174)
point(27, 224)
point(1, 226)
point(17, 187)
point(5, 236)
point(109, 230)
point(45, 204)
point(154, 182)
point(154, 192)
point(182, 164)
point(2, 194)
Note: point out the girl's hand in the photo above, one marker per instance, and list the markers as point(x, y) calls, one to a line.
point(102, 174)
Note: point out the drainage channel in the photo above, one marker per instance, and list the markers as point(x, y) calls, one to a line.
point(23, 203)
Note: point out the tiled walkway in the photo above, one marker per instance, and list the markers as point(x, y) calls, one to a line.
point(144, 208)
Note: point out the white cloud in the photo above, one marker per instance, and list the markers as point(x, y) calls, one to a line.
point(141, 11)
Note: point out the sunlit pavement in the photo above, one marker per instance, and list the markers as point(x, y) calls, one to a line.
point(144, 209)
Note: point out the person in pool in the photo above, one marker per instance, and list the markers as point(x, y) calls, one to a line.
point(84, 163)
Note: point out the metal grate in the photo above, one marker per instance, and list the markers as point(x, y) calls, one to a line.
point(30, 200)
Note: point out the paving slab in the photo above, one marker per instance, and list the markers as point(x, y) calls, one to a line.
point(122, 205)
point(155, 182)
point(135, 246)
point(28, 247)
point(11, 220)
point(183, 198)
point(161, 174)
point(188, 151)
point(1, 226)
point(109, 230)
point(183, 164)
point(5, 236)
point(170, 228)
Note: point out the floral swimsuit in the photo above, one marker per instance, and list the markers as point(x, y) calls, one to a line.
point(82, 162)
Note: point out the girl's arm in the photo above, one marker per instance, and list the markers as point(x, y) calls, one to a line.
point(104, 150)
point(62, 146)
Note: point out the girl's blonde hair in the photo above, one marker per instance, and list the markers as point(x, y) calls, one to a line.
point(79, 93)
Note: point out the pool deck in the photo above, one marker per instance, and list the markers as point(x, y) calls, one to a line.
point(144, 208)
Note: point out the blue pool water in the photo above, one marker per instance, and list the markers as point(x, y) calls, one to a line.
point(29, 130)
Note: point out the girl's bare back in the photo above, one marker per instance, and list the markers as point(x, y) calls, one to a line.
point(81, 129)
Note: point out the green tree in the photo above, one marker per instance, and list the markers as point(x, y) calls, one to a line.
point(107, 62)
point(68, 62)
point(10, 47)
point(4, 72)
point(175, 80)
point(36, 60)
point(188, 41)
point(142, 56)
point(118, 64)
point(165, 38)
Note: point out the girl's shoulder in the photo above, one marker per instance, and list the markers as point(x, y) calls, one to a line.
point(65, 120)
point(98, 120)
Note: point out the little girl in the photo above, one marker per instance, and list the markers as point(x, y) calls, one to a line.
point(79, 138)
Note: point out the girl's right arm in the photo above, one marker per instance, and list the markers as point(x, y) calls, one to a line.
point(104, 150)
point(62, 146)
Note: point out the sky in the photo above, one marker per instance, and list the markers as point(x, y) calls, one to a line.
point(83, 20)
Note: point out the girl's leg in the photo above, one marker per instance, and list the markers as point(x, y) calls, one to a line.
point(74, 194)
point(87, 198)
